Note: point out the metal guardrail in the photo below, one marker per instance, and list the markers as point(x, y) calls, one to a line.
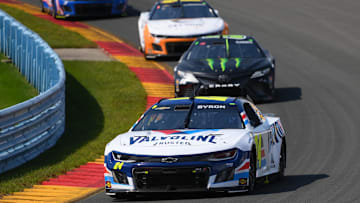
point(29, 128)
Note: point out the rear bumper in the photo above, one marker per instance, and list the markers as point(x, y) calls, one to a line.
point(166, 46)
point(92, 8)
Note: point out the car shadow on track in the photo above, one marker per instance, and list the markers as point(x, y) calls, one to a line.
point(286, 184)
point(285, 94)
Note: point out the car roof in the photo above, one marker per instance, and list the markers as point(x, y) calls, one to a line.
point(200, 100)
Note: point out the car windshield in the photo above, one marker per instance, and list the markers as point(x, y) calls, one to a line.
point(224, 48)
point(183, 10)
point(202, 116)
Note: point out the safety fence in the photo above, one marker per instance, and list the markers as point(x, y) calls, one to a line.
point(31, 127)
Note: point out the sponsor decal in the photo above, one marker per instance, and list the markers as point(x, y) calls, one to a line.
point(230, 85)
point(223, 62)
point(174, 139)
point(257, 111)
point(238, 61)
point(243, 181)
point(211, 106)
point(118, 166)
point(210, 63)
point(108, 184)
point(279, 129)
point(258, 143)
point(244, 118)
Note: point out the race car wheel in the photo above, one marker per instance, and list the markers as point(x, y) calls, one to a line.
point(282, 163)
point(54, 10)
point(272, 87)
point(252, 172)
point(42, 6)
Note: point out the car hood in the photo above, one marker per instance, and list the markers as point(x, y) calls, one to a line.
point(179, 142)
point(224, 65)
point(186, 27)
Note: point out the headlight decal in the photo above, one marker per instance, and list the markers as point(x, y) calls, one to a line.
point(260, 73)
point(224, 155)
point(186, 77)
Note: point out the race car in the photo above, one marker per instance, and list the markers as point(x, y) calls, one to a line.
point(171, 25)
point(81, 8)
point(196, 144)
point(231, 65)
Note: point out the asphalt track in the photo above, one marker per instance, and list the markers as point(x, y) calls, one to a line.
point(316, 45)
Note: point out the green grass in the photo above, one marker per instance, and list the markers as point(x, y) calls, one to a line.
point(13, 86)
point(103, 99)
point(55, 35)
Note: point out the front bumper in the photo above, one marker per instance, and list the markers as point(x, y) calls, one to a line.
point(177, 177)
point(157, 46)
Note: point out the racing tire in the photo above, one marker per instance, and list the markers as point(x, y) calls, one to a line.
point(282, 162)
point(42, 6)
point(189, 93)
point(54, 12)
point(252, 173)
point(272, 88)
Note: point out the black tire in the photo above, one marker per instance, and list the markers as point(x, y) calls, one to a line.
point(42, 6)
point(54, 12)
point(282, 163)
point(186, 93)
point(252, 172)
point(272, 88)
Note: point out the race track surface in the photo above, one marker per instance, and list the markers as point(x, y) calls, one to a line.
point(316, 45)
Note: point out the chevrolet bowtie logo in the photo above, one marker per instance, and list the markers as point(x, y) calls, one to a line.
point(169, 160)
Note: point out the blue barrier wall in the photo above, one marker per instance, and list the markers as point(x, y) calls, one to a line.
point(29, 128)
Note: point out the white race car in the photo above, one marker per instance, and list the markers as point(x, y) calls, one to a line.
point(172, 25)
point(196, 144)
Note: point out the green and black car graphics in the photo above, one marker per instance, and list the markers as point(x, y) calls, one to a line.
point(227, 65)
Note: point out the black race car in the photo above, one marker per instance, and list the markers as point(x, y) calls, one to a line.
point(227, 65)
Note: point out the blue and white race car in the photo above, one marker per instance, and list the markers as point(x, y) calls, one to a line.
point(77, 8)
point(196, 144)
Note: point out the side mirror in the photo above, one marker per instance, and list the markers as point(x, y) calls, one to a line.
point(216, 12)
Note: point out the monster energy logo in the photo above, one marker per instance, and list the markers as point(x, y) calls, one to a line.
point(223, 63)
